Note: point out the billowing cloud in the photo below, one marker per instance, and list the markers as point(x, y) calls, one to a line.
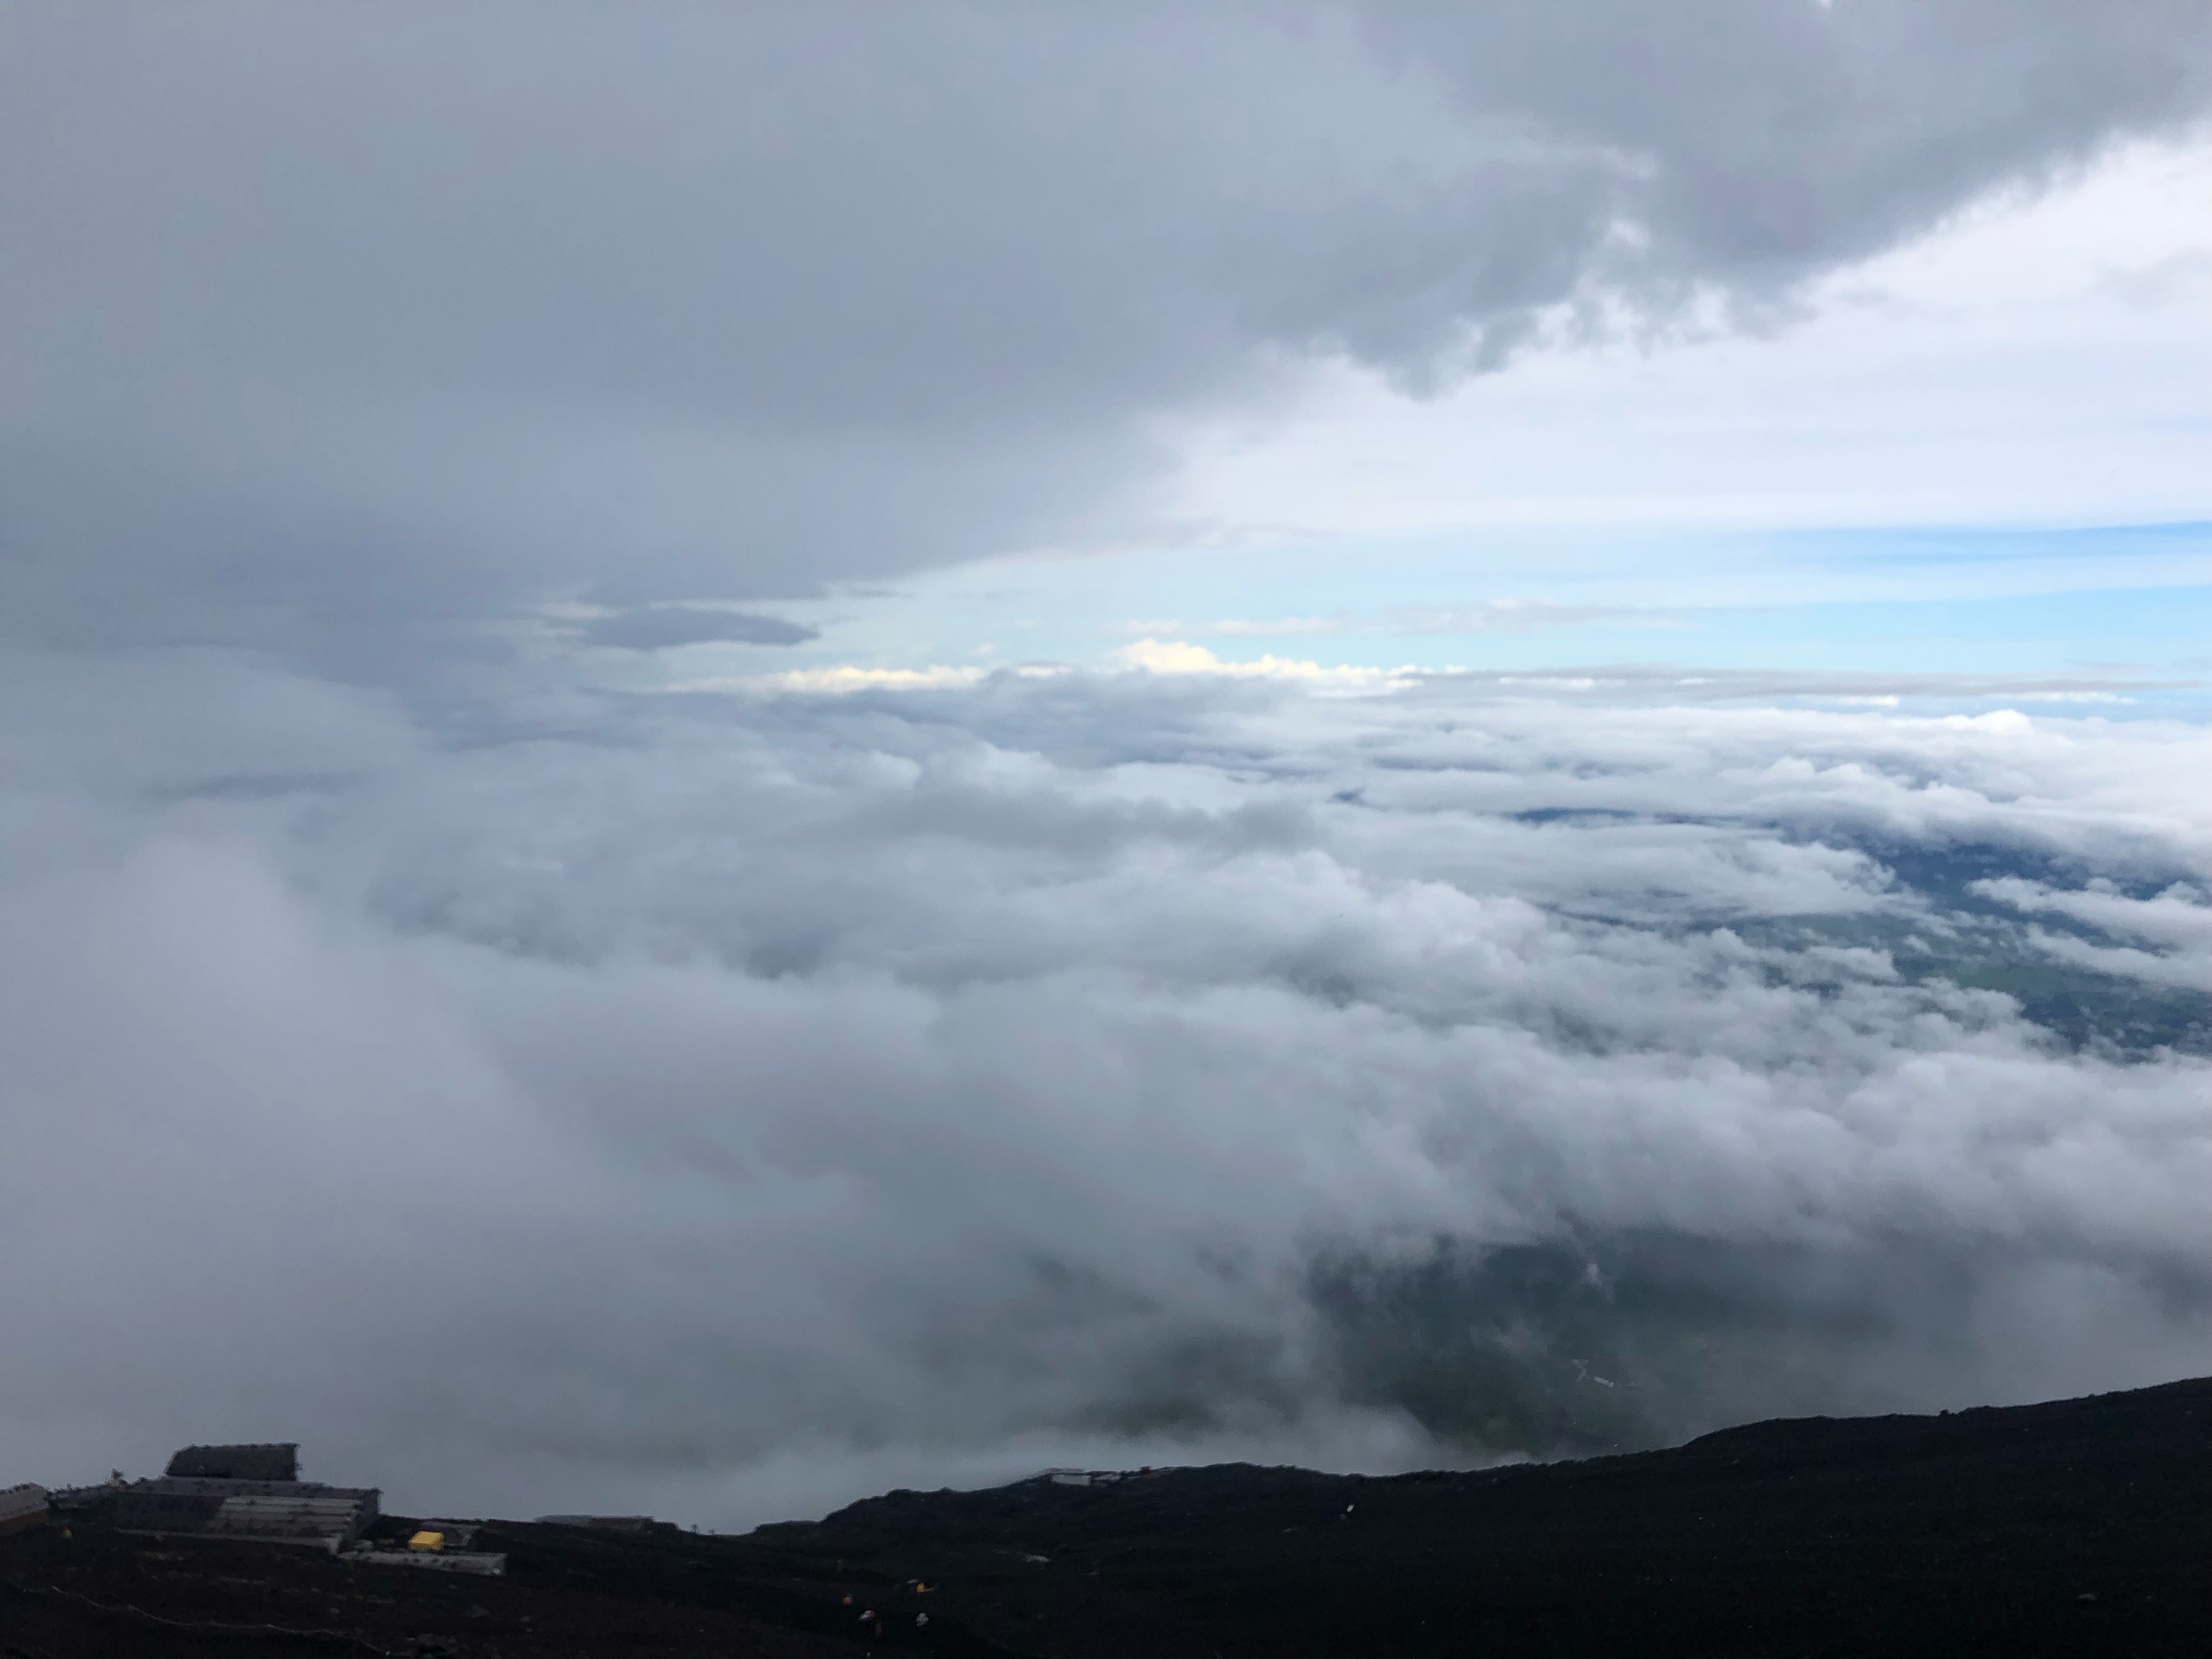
point(746, 1103)
point(2165, 937)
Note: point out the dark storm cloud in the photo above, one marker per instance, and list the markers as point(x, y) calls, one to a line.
point(326, 325)
point(667, 627)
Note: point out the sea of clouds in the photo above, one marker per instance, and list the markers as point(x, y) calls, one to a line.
point(729, 1104)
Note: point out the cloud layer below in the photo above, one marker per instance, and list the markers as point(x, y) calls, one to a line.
point(752, 1101)
point(722, 1098)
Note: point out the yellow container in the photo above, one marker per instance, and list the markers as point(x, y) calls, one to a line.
point(426, 1540)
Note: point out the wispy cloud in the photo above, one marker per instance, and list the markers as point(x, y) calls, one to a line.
point(669, 627)
point(1616, 682)
point(1487, 617)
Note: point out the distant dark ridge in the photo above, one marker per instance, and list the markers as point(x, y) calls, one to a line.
point(2075, 1527)
point(2072, 1527)
point(2091, 1414)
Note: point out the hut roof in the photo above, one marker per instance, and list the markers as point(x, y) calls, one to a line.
point(274, 1461)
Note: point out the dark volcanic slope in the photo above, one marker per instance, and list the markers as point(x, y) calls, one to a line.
point(2076, 1527)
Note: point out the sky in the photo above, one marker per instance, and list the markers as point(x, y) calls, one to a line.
point(755, 752)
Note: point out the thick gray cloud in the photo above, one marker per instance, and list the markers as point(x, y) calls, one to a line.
point(742, 1104)
point(329, 329)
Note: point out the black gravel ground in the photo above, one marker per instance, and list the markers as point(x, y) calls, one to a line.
point(2080, 1527)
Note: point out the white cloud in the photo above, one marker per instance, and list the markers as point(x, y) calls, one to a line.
point(2179, 919)
point(1181, 656)
point(908, 1081)
point(842, 676)
point(2037, 361)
